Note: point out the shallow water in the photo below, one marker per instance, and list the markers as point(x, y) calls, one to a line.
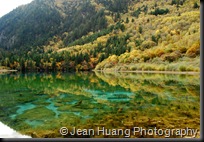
point(40, 104)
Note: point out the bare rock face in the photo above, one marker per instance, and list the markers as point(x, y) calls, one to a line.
point(2, 37)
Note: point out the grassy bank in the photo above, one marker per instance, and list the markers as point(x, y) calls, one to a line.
point(182, 65)
point(157, 72)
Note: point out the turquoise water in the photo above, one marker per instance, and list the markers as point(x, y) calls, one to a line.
point(43, 103)
point(22, 108)
point(52, 107)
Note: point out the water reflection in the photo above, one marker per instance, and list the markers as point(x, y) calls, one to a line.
point(40, 104)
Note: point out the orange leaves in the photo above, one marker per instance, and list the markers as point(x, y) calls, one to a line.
point(194, 50)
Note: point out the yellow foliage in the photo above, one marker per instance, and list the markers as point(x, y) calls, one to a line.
point(93, 60)
point(194, 50)
point(157, 32)
point(159, 52)
point(131, 44)
point(177, 31)
point(109, 20)
point(102, 39)
point(113, 58)
point(135, 52)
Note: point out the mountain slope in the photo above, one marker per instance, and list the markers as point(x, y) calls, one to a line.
point(169, 42)
point(28, 24)
point(38, 22)
point(160, 41)
point(103, 35)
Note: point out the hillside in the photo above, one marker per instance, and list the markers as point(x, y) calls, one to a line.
point(109, 35)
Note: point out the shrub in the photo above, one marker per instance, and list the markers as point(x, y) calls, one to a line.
point(177, 2)
point(136, 13)
point(108, 65)
point(173, 56)
point(140, 29)
point(156, 38)
point(182, 68)
point(159, 52)
point(182, 49)
point(195, 5)
point(173, 2)
point(133, 20)
point(127, 20)
point(157, 60)
point(161, 68)
point(158, 11)
point(138, 42)
point(194, 50)
point(133, 68)
point(147, 44)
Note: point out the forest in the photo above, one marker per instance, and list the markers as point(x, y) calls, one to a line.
point(60, 35)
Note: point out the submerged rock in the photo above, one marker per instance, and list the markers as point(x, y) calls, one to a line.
point(78, 103)
point(39, 113)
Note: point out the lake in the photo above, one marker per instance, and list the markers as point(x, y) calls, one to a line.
point(100, 105)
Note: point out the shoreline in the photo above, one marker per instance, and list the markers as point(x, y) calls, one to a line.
point(4, 71)
point(111, 71)
point(159, 72)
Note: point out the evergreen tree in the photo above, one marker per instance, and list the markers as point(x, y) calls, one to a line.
point(195, 5)
point(127, 20)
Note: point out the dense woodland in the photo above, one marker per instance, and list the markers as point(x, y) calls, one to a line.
point(60, 35)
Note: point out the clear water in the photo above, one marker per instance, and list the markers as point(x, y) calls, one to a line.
point(22, 108)
point(41, 104)
point(52, 107)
